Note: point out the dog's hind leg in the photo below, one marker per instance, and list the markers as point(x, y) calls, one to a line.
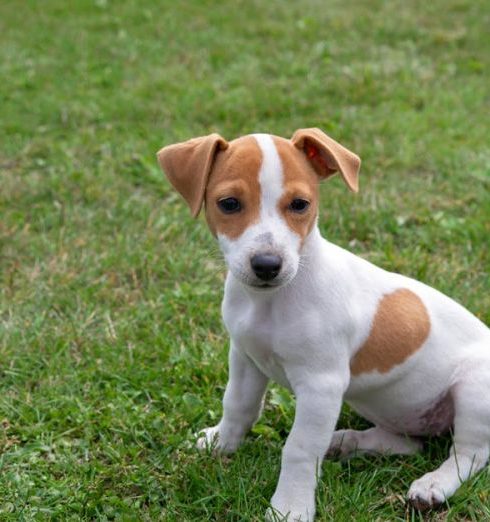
point(346, 443)
point(471, 445)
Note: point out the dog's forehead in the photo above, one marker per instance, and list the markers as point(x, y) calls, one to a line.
point(272, 156)
point(295, 166)
point(241, 155)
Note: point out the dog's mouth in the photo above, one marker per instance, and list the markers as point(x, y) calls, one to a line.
point(265, 286)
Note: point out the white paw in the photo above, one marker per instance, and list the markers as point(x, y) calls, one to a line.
point(342, 445)
point(290, 510)
point(211, 439)
point(275, 515)
point(426, 492)
point(208, 439)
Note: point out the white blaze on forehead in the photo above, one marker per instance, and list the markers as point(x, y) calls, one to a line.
point(270, 176)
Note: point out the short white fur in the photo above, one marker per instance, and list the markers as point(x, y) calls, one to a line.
point(271, 176)
point(303, 335)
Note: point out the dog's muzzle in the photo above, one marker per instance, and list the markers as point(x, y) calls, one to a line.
point(266, 266)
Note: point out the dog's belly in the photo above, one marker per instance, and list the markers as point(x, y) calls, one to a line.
point(430, 418)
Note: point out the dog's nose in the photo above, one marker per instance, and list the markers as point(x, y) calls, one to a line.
point(266, 266)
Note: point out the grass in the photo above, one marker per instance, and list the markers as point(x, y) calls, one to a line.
point(112, 352)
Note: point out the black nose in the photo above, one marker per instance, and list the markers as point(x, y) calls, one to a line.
point(266, 266)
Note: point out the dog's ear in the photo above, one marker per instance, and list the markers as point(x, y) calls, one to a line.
point(327, 156)
point(188, 165)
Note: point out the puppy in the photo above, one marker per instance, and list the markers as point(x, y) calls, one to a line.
point(328, 325)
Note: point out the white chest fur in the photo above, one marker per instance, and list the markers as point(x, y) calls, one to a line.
point(252, 326)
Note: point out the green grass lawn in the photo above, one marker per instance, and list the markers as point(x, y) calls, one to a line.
point(112, 351)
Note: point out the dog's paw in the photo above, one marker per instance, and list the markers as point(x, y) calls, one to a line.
point(211, 439)
point(274, 515)
point(208, 439)
point(288, 509)
point(343, 445)
point(426, 492)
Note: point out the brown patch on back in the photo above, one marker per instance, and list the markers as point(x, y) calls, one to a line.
point(300, 181)
point(235, 174)
point(400, 327)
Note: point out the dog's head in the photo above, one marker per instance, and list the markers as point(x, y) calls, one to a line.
point(260, 194)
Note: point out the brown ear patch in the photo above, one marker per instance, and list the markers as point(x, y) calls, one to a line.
point(400, 327)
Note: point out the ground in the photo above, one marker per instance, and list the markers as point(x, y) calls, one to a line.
point(112, 351)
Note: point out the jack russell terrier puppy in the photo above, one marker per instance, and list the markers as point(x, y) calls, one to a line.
point(328, 325)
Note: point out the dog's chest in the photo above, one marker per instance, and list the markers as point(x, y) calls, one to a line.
point(254, 328)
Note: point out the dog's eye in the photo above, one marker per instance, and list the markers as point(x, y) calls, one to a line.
point(229, 205)
point(299, 205)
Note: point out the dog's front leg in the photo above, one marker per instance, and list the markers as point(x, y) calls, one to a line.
point(242, 404)
point(318, 406)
